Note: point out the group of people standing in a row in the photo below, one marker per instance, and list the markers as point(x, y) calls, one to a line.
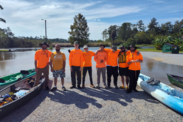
point(128, 62)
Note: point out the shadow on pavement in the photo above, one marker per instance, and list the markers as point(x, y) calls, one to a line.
point(81, 98)
point(72, 97)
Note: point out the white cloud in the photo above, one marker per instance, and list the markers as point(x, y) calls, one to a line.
point(24, 18)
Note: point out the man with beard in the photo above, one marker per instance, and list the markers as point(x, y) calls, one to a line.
point(76, 63)
point(57, 64)
point(42, 64)
point(134, 61)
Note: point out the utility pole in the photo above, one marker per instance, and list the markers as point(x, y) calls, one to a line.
point(45, 30)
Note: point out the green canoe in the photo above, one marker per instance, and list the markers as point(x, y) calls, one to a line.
point(7, 80)
point(176, 80)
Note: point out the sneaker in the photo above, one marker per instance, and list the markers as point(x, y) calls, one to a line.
point(72, 87)
point(47, 88)
point(83, 86)
point(105, 87)
point(92, 86)
point(126, 87)
point(135, 90)
point(63, 88)
point(97, 87)
point(121, 87)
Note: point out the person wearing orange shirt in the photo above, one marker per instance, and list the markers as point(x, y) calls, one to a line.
point(112, 65)
point(100, 59)
point(57, 64)
point(76, 63)
point(134, 61)
point(87, 65)
point(123, 66)
point(42, 63)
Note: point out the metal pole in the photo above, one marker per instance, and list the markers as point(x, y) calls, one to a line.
point(45, 31)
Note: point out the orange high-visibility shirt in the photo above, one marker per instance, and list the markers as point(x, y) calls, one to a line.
point(42, 58)
point(76, 58)
point(112, 57)
point(136, 65)
point(87, 58)
point(100, 56)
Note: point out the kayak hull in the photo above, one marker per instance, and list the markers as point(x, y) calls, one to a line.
point(9, 107)
point(163, 93)
point(20, 77)
point(173, 80)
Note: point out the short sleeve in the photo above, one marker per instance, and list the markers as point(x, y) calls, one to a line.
point(36, 57)
point(118, 50)
point(106, 50)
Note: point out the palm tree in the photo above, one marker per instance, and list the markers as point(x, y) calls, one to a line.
point(1, 19)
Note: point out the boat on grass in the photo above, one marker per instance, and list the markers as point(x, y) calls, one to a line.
point(162, 92)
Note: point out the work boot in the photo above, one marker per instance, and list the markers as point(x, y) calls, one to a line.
point(72, 87)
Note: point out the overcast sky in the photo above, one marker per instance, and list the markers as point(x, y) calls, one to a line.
point(24, 16)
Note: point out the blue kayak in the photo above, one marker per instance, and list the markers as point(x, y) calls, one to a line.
point(162, 92)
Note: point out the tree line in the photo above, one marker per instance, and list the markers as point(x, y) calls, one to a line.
point(8, 40)
point(138, 33)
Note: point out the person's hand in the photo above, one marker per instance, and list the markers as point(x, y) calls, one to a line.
point(36, 69)
point(63, 70)
point(97, 51)
point(51, 69)
point(80, 69)
point(101, 61)
point(129, 63)
point(132, 61)
point(71, 69)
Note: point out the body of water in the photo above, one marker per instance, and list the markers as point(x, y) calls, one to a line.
point(13, 62)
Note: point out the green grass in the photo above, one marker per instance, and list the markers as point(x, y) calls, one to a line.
point(144, 45)
point(152, 50)
point(149, 50)
point(4, 50)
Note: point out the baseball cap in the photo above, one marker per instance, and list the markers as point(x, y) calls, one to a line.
point(76, 42)
point(85, 46)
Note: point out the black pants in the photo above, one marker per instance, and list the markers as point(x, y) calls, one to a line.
point(112, 71)
point(76, 69)
point(133, 79)
point(89, 69)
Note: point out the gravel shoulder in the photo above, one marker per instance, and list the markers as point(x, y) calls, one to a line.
point(93, 105)
point(175, 59)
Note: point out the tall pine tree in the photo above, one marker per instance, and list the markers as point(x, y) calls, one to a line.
point(79, 30)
